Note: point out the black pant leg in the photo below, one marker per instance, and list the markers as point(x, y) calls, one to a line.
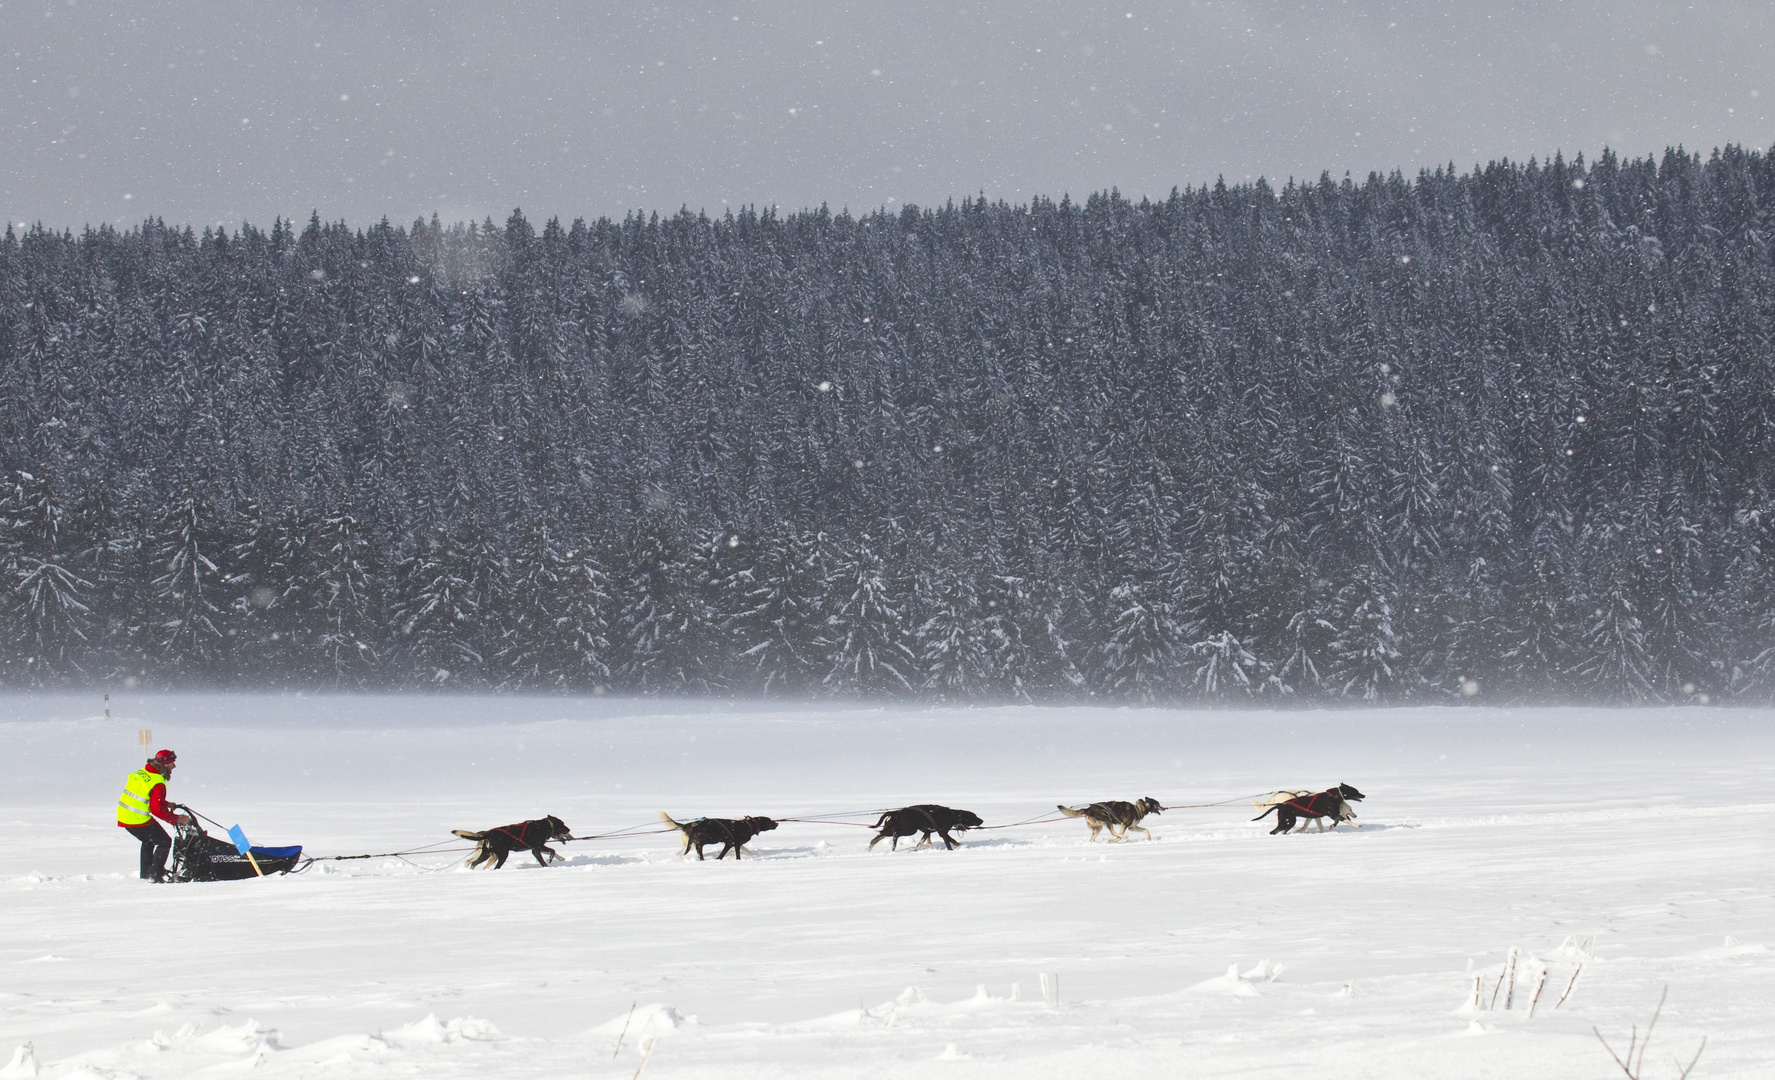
point(155, 846)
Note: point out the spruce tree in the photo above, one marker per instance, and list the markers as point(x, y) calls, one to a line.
point(44, 608)
point(187, 625)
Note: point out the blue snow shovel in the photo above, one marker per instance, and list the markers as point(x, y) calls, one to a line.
point(239, 836)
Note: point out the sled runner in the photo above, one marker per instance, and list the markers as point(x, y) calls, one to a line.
point(198, 856)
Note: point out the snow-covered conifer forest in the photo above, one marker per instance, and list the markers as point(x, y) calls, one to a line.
point(1506, 433)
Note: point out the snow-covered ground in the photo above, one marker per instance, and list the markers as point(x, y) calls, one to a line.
point(1637, 843)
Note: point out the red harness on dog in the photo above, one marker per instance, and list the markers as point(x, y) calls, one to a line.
point(517, 838)
point(1309, 806)
point(521, 837)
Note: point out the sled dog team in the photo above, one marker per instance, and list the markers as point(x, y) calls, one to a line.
point(494, 846)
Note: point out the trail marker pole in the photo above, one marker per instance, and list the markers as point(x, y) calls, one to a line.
point(1539, 983)
point(1578, 970)
point(646, 1053)
point(624, 1032)
point(1510, 995)
point(144, 736)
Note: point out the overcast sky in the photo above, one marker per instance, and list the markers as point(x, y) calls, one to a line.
point(239, 111)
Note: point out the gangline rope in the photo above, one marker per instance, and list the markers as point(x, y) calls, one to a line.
point(825, 818)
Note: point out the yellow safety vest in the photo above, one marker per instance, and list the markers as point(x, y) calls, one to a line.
point(132, 806)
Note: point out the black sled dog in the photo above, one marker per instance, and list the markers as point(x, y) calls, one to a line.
point(731, 833)
point(494, 845)
point(1333, 803)
point(926, 818)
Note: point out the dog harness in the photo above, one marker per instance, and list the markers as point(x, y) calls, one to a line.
point(1309, 806)
point(521, 837)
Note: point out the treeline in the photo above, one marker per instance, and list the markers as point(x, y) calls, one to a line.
point(1504, 434)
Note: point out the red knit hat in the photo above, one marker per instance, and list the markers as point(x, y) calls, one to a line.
point(164, 757)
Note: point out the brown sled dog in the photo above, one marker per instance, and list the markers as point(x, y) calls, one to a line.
point(1116, 816)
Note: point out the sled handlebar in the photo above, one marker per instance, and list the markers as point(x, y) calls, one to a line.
point(194, 816)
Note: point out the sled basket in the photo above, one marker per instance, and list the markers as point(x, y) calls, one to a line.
point(198, 856)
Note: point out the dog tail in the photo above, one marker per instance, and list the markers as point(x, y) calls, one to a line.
point(466, 835)
point(667, 818)
point(1070, 812)
point(1268, 812)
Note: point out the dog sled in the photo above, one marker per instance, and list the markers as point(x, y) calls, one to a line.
point(198, 856)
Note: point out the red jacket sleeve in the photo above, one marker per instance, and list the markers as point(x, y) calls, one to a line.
point(157, 804)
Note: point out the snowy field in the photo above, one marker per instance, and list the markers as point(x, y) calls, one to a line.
point(1637, 843)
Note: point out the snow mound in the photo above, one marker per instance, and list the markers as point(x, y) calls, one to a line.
point(979, 1002)
point(1235, 984)
point(654, 1019)
point(432, 1031)
point(248, 1038)
point(22, 1065)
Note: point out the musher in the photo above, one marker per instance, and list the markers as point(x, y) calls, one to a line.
point(143, 800)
